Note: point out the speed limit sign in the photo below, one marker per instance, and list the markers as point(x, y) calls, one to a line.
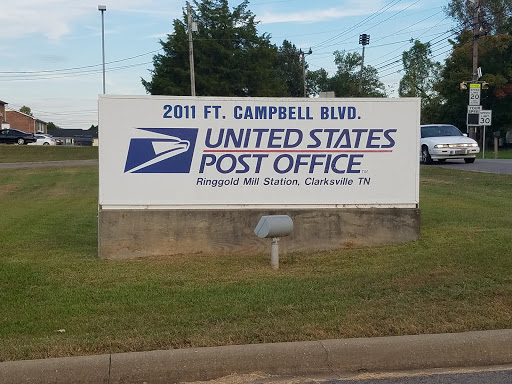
point(474, 94)
point(485, 118)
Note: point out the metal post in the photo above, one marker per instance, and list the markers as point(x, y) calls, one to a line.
point(191, 52)
point(483, 145)
point(364, 40)
point(361, 74)
point(274, 253)
point(102, 9)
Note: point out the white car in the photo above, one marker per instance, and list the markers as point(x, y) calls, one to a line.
point(444, 141)
point(44, 140)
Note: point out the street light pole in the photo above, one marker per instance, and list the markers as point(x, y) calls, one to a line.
point(102, 9)
point(364, 40)
point(191, 52)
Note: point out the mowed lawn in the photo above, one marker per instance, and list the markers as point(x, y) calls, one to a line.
point(58, 299)
point(39, 153)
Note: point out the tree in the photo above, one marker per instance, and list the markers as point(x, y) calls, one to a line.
point(493, 15)
point(26, 110)
point(317, 81)
point(290, 69)
point(495, 60)
point(346, 80)
point(419, 78)
point(420, 72)
point(52, 126)
point(231, 59)
point(93, 128)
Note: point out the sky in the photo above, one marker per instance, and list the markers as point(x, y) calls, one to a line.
point(51, 50)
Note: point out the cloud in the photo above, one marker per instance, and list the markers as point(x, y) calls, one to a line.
point(54, 18)
point(346, 9)
point(309, 16)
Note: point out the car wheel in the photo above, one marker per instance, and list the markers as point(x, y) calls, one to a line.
point(469, 160)
point(425, 156)
point(46, 143)
point(21, 141)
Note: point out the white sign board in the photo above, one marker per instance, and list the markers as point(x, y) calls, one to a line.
point(474, 109)
point(474, 94)
point(160, 152)
point(485, 117)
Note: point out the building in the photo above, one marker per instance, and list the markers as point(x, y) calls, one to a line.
point(24, 122)
point(3, 122)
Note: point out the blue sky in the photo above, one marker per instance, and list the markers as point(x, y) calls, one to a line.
point(51, 49)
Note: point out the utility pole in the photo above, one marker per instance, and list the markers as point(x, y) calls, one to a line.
point(191, 52)
point(364, 40)
point(302, 53)
point(476, 31)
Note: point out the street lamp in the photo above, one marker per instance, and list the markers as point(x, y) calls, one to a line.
point(102, 9)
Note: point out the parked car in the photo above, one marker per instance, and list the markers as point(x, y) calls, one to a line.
point(44, 140)
point(444, 141)
point(13, 136)
point(82, 140)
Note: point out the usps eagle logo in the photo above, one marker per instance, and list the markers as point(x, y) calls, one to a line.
point(161, 150)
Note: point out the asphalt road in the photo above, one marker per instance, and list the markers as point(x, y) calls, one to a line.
point(480, 165)
point(495, 377)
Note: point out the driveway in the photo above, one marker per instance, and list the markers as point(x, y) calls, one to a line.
point(480, 165)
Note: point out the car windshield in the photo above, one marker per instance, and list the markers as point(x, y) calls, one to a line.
point(440, 130)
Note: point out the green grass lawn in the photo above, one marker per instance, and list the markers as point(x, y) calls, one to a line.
point(503, 153)
point(456, 278)
point(39, 153)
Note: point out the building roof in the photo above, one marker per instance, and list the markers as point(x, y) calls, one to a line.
point(3, 102)
point(24, 114)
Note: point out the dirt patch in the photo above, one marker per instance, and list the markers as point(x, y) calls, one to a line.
point(257, 377)
point(8, 188)
point(425, 180)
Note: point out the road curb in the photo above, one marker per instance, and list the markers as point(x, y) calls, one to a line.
point(344, 356)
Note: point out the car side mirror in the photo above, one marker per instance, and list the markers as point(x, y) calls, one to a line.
point(465, 134)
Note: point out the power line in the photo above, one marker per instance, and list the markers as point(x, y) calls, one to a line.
point(399, 57)
point(35, 77)
point(362, 22)
point(375, 25)
point(400, 65)
point(78, 68)
point(447, 32)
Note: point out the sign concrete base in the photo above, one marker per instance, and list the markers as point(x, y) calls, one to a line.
point(128, 234)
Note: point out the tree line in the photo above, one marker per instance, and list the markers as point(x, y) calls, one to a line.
point(232, 59)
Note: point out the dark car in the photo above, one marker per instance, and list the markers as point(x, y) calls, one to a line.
point(13, 136)
point(82, 140)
